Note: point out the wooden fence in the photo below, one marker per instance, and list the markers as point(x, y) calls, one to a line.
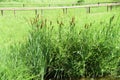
point(65, 8)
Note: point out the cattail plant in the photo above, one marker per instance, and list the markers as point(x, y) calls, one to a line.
point(63, 52)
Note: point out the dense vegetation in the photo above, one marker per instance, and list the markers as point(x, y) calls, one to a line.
point(73, 52)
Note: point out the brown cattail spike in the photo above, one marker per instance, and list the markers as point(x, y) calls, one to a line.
point(42, 24)
point(86, 26)
point(50, 22)
point(58, 22)
point(45, 22)
point(72, 22)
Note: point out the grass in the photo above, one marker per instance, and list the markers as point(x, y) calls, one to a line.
point(60, 47)
point(10, 32)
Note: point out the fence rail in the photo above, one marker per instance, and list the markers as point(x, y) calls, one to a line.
point(9, 3)
point(108, 5)
point(48, 4)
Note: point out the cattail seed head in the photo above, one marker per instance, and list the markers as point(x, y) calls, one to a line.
point(50, 22)
point(86, 26)
point(90, 24)
point(52, 28)
point(42, 24)
point(45, 22)
point(61, 24)
point(72, 22)
point(58, 22)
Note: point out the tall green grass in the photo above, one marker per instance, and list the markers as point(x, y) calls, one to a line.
point(68, 51)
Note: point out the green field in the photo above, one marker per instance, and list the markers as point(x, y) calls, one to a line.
point(68, 45)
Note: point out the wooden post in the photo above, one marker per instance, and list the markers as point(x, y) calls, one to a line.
point(36, 12)
point(66, 10)
point(88, 10)
point(63, 10)
point(14, 12)
point(2, 12)
point(107, 8)
point(41, 11)
point(111, 7)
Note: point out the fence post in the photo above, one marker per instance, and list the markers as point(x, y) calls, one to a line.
point(66, 10)
point(2, 12)
point(111, 7)
point(41, 11)
point(88, 10)
point(14, 12)
point(36, 12)
point(107, 8)
point(63, 11)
